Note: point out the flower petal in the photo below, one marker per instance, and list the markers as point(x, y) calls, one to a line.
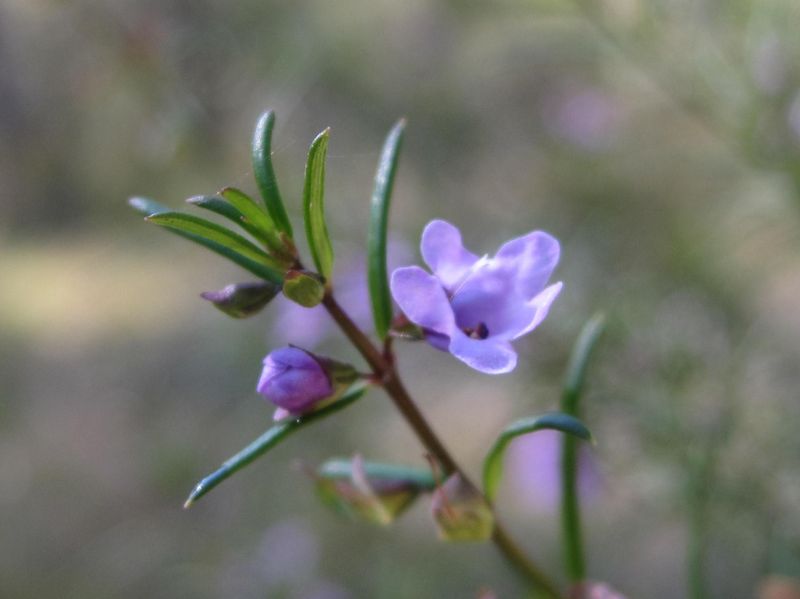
point(485, 355)
point(490, 295)
point(422, 299)
point(445, 254)
point(532, 258)
point(541, 303)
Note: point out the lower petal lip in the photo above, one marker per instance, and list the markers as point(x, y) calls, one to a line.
point(437, 340)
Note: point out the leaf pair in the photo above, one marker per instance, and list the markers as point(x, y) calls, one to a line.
point(317, 233)
point(268, 224)
point(213, 236)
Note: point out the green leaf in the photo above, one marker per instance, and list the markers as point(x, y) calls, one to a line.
point(574, 381)
point(378, 224)
point(221, 240)
point(198, 226)
point(219, 206)
point(493, 463)
point(579, 362)
point(274, 435)
point(259, 219)
point(314, 206)
point(265, 175)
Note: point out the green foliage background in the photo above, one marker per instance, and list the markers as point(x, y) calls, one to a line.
point(660, 141)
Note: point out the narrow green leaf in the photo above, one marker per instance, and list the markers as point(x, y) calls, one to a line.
point(493, 463)
point(219, 206)
point(267, 441)
point(378, 224)
point(151, 208)
point(212, 231)
point(221, 240)
point(579, 361)
point(314, 206)
point(341, 468)
point(264, 173)
point(574, 381)
point(258, 218)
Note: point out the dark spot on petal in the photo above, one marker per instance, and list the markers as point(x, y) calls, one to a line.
point(479, 332)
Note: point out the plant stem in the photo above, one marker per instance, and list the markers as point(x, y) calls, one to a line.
point(385, 371)
point(570, 512)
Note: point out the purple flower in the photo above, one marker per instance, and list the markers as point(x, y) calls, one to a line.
point(474, 307)
point(294, 380)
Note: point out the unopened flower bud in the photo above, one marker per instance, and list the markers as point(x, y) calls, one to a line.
point(297, 381)
point(461, 512)
point(375, 492)
point(304, 288)
point(241, 300)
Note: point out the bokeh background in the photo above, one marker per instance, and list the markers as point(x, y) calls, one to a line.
point(660, 141)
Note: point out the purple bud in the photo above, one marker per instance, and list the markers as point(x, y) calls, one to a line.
point(294, 379)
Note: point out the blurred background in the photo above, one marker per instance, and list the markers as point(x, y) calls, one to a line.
point(659, 141)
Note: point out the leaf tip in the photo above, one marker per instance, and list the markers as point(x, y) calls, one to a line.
point(322, 137)
point(142, 205)
point(265, 121)
point(198, 491)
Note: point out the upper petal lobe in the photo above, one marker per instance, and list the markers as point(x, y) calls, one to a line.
point(531, 260)
point(541, 305)
point(422, 299)
point(444, 252)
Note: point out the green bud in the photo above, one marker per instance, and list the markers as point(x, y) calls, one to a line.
point(460, 511)
point(304, 287)
point(374, 492)
point(241, 300)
